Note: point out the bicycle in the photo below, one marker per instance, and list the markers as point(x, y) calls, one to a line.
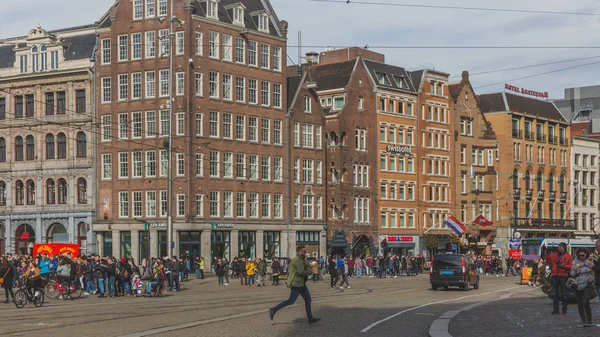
point(67, 289)
point(26, 295)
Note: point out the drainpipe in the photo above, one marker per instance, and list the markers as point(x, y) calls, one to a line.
point(288, 181)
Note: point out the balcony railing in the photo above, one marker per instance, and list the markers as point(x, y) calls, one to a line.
point(564, 141)
point(541, 137)
point(528, 135)
point(516, 193)
point(541, 195)
point(550, 224)
point(552, 196)
point(563, 197)
point(551, 139)
point(529, 194)
point(517, 133)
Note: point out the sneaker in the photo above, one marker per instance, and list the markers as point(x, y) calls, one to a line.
point(86, 294)
point(259, 285)
point(313, 320)
point(554, 312)
point(271, 313)
point(348, 287)
point(587, 325)
point(226, 284)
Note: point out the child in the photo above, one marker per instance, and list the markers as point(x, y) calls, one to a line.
point(136, 284)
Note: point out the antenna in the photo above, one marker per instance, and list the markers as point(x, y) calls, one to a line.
point(299, 53)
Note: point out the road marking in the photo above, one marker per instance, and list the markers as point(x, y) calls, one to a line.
point(40, 324)
point(424, 314)
point(440, 327)
point(432, 303)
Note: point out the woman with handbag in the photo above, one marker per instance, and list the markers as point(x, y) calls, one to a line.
point(582, 272)
point(7, 273)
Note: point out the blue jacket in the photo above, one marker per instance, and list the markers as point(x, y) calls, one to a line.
point(45, 266)
point(53, 264)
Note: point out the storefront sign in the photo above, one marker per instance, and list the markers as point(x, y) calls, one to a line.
point(398, 149)
point(525, 274)
point(525, 91)
point(221, 225)
point(56, 249)
point(514, 253)
point(150, 225)
point(400, 239)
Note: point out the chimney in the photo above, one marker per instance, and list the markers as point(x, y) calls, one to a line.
point(465, 75)
point(312, 57)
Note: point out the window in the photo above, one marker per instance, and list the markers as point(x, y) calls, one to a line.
point(123, 204)
point(19, 193)
point(307, 135)
point(123, 126)
point(62, 146)
point(297, 207)
point(308, 207)
point(199, 165)
point(50, 192)
point(2, 150)
point(265, 95)
point(199, 43)
point(277, 95)
point(164, 82)
point(123, 46)
point(227, 86)
point(277, 132)
point(214, 124)
point(240, 165)
point(264, 55)
point(252, 91)
point(214, 164)
point(199, 84)
point(163, 37)
point(150, 84)
point(227, 47)
point(30, 192)
point(213, 84)
point(277, 58)
point(123, 87)
point(165, 122)
point(240, 208)
point(54, 60)
point(240, 50)
point(277, 169)
point(307, 171)
point(150, 164)
point(179, 43)
point(338, 103)
point(82, 191)
point(266, 205)
point(136, 162)
point(265, 130)
point(228, 165)
point(227, 127)
point(360, 136)
point(213, 44)
point(62, 191)
point(263, 23)
point(240, 89)
point(80, 101)
point(19, 148)
point(180, 162)
point(136, 46)
point(150, 124)
point(163, 203)
point(252, 50)
point(106, 166)
point(138, 9)
point(81, 145)
point(296, 170)
point(162, 7)
point(240, 127)
point(180, 124)
point(30, 147)
point(266, 168)
point(123, 165)
point(106, 48)
point(252, 129)
point(228, 204)
point(212, 9)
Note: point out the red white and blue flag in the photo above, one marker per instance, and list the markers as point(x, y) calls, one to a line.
point(455, 225)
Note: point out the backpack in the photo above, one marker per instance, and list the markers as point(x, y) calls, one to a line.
point(125, 273)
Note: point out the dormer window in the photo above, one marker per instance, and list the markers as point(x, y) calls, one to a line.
point(263, 23)
point(382, 78)
point(212, 9)
point(399, 80)
point(238, 16)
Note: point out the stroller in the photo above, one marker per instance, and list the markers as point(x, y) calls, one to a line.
point(137, 285)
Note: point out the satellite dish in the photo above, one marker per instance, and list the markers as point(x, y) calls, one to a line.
point(517, 235)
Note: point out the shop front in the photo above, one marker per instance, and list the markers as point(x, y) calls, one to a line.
point(402, 245)
point(311, 241)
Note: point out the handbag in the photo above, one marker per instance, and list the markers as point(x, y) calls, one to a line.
point(571, 284)
point(2, 278)
point(593, 291)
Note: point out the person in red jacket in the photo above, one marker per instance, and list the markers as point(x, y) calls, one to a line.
point(560, 261)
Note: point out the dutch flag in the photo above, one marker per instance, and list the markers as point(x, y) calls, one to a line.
point(455, 225)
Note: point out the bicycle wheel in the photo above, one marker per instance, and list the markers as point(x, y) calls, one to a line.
point(38, 297)
point(78, 291)
point(51, 290)
point(20, 298)
point(162, 291)
point(66, 292)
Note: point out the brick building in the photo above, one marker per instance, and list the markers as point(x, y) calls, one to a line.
point(228, 121)
point(534, 166)
point(46, 165)
point(475, 166)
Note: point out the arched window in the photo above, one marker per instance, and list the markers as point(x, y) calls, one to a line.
point(30, 147)
point(19, 148)
point(2, 150)
point(62, 146)
point(44, 58)
point(527, 180)
point(35, 59)
point(30, 192)
point(2, 193)
point(57, 233)
point(540, 181)
point(50, 192)
point(81, 191)
point(49, 146)
point(19, 195)
point(81, 145)
point(515, 179)
point(62, 191)
point(551, 182)
point(562, 183)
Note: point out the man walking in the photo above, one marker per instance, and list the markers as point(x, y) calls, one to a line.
point(596, 261)
point(560, 261)
point(297, 276)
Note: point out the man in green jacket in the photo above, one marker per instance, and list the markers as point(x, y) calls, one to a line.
point(298, 273)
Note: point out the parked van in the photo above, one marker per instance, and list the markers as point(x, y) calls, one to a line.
point(453, 270)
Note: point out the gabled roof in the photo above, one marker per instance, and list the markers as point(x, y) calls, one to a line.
point(293, 84)
point(454, 89)
point(332, 76)
point(416, 77)
point(390, 72)
point(515, 103)
point(199, 8)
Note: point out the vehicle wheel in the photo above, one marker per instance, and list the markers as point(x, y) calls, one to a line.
point(51, 290)
point(20, 299)
point(38, 298)
point(433, 287)
point(467, 285)
point(445, 287)
point(77, 293)
point(476, 286)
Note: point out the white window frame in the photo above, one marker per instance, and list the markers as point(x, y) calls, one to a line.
point(179, 84)
point(106, 166)
point(179, 42)
point(180, 124)
point(106, 51)
point(150, 77)
point(123, 47)
point(136, 47)
point(123, 204)
point(199, 84)
point(150, 124)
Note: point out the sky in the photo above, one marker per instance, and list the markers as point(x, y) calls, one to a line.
point(385, 28)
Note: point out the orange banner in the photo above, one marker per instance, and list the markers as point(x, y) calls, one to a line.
point(525, 274)
point(56, 249)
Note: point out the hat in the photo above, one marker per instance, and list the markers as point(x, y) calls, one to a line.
point(562, 244)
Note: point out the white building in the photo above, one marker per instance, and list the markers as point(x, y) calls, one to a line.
point(585, 154)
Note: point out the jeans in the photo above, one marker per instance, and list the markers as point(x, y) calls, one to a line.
point(295, 291)
point(220, 279)
point(174, 281)
point(197, 273)
point(101, 285)
point(243, 278)
point(583, 304)
point(559, 283)
point(111, 286)
point(89, 286)
point(358, 272)
point(510, 270)
point(127, 286)
point(149, 286)
point(250, 280)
